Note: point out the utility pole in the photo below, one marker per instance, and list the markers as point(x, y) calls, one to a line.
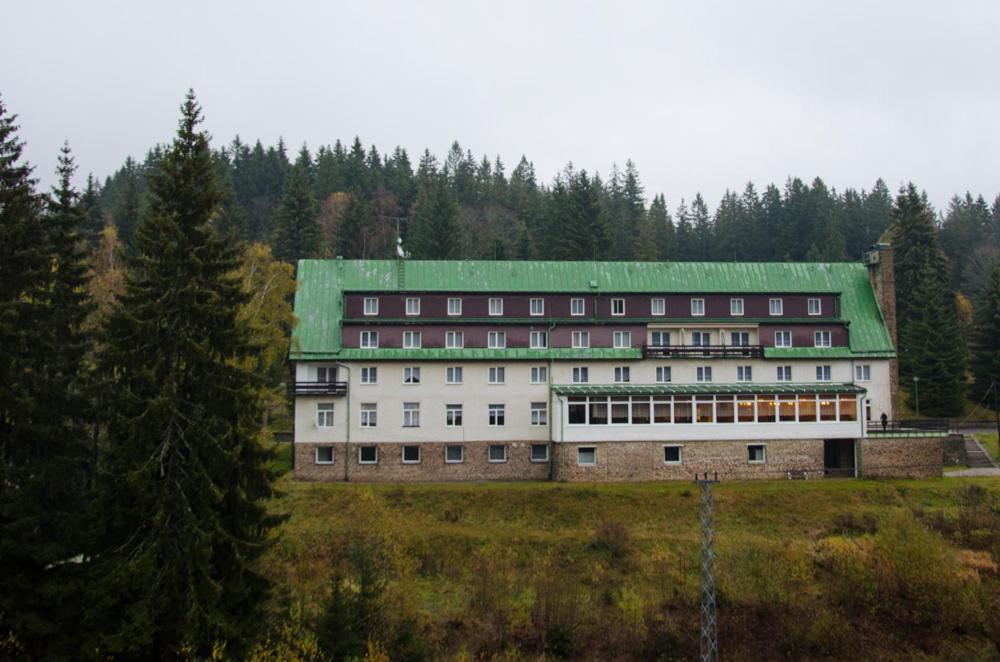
point(916, 393)
point(709, 630)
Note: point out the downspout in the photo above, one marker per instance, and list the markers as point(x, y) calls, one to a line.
point(562, 409)
point(347, 421)
point(552, 447)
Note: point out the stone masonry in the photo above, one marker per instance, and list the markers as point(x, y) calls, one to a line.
point(901, 457)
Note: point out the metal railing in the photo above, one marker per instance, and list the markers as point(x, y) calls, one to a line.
point(700, 351)
point(317, 388)
point(908, 425)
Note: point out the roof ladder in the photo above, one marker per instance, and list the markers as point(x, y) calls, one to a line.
point(400, 273)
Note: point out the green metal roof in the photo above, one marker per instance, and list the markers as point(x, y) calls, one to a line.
point(703, 389)
point(481, 354)
point(321, 284)
point(820, 353)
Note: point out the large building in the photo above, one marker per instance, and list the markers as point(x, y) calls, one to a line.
point(476, 370)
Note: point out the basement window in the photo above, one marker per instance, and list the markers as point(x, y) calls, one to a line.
point(411, 454)
point(586, 456)
point(324, 455)
point(497, 453)
point(454, 454)
point(368, 455)
point(671, 454)
point(756, 453)
point(539, 452)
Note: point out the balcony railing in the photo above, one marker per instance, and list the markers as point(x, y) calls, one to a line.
point(916, 426)
point(702, 351)
point(317, 388)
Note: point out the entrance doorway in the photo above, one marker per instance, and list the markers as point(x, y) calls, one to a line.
point(838, 458)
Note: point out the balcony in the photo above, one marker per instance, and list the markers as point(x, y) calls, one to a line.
point(703, 351)
point(317, 388)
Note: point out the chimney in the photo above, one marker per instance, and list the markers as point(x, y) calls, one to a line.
point(882, 276)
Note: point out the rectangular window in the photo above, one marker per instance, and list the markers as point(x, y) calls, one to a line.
point(368, 455)
point(822, 373)
point(640, 411)
point(536, 306)
point(848, 408)
point(744, 373)
point(496, 306)
point(369, 339)
point(580, 339)
point(576, 307)
point(497, 415)
point(659, 338)
point(784, 373)
point(326, 374)
point(703, 409)
point(411, 454)
point(454, 306)
point(739, 338)
point(662, 374)
point(496, 339)
point(862, 373)
point(821, 338)
point(581, 375)
point(497, 453)
point(619, 410)
point(682, 409)
point(454, 454)
point(369, 414)
point(453, 416)
point(782, 338)
point(540, 375)
point(324, 415)
point(539, 452)
point(671, 454)
point(697, 307)
point(411, 375)
point(324, 455)
point(766, 409)
point(776, 306)
point(807, 408)
point(598, 411)
point(703, 373)
point(371, 306)
point(745, 410)
point(724, 411)
point(586, 456)
point(538, 340)
point(539, 413)
point(453, 375)
point(411, 414)
point(454, 339)
point(412, 306)
point(622, 339)
point(618, 307)
point(657, 307)
point(577, 411)
point(661, 409)
point(756, 453)
point(786, 408)
point(736, 307)
point(827, 407)
point(496, 375)
point(701, 338)
point(369, 375)
point(623, 375)
point(814, 307)
point(411, 340)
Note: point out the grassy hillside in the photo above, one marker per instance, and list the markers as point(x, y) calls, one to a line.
point(849, 569)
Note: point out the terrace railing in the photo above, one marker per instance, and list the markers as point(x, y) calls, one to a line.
point(917, 425)
point(702, 351)
point(317, 388)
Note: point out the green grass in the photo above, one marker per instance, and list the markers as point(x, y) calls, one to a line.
point(989, 442)
point(805, 568)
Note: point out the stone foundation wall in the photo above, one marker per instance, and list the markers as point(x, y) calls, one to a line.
point(901, 457)
point(643, 460)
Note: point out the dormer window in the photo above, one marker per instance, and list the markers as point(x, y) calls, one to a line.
point(618, 307)
point(736, 307)
point(815, 308)
point(412, 306)
point(657, 307)
point(454, 306)
point(496, 306)
point(697, 307)
point(537, 307)
point(776, 307)
point(371, 306)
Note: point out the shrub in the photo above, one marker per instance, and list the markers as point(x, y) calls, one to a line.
point(613, 539)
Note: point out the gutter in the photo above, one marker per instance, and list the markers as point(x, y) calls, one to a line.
point(347, 421)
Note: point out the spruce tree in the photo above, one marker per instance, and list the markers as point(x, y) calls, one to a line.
point(985, 354)
point(297, 234)
point(179, 517)
point(354, 233)
point(93, 214)
point(433, 232)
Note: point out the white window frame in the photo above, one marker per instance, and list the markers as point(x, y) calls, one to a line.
point(539, 414)
point(824, 373)
point(412, 306)
point(784, 373)
point(702, 372)
point(776, 304)
point(326, 374)
point(333, 455)
point(454, 339)
point(325, 414)
point(461, 453)
point(592, 449)
point(496, 415)
point(704, 338)
point(412, 339)
point(680, 454)
point(414, 375)
point(657, 307)
point(622, 339)
point(622, 374)
point(822, 339)
point(744, 373)
point(451, 372)
point(580, 339)
point(531, 453)
point(496, 339)
point(362, 449)
point(402, 454)
point(662, 335)
point(819, 306)
point(450, 412)
point(489, 454)
point(618, 307)
point(368, 340)
point(736, 307)
point(495, 306)
point(538, 339)
point(863, 372)
point(661, 372)
point(782, 334)
point(369, 415)
point(371, 306)
point(531, 307)
point(581, 372)
point(539, 374)
point(697, 307)
point(411, 414)
point(369, 375)
point(454, 306)
point(573, 307)
point(496, 375)
point(763, 448)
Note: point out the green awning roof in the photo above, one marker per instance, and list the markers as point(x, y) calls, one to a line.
point(821, 353)
point(704, 389)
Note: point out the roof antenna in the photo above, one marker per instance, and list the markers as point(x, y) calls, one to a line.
point(400, 253)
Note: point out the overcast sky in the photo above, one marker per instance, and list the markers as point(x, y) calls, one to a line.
point(703, 96)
